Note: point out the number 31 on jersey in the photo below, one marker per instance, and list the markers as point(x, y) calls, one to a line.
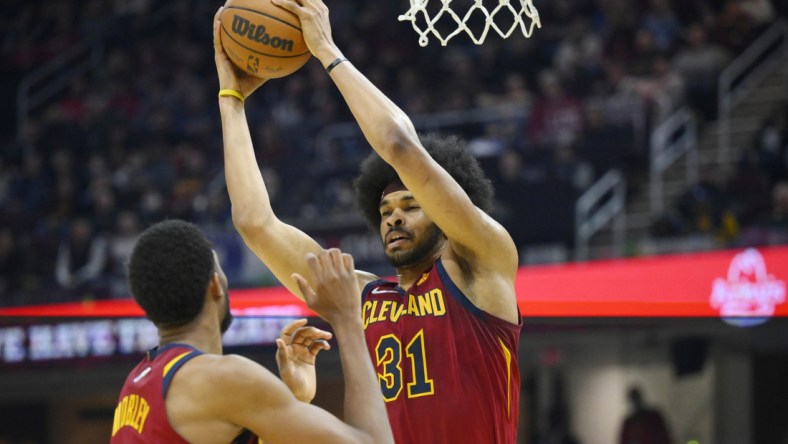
point(389, 360)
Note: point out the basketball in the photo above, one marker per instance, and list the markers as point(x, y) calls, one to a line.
point(263, 39)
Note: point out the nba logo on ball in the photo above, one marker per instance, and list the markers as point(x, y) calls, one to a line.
point(263, 39)
point(252, 64)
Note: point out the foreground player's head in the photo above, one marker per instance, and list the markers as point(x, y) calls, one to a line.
point(172, 268)
point(379, 192)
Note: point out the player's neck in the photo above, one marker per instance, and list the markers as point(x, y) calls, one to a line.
point(407, 275)
point(198, 333)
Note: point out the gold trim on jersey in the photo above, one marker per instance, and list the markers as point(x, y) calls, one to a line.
point(507, 354)
point(172, 362)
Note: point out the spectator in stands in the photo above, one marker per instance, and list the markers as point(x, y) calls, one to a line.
point(577, 58)
point(662, 24)
point(81, 259)
point(761, 13)
point(32, 186)
point(643, 425)
point(619, 116)
point(660, 87)
point(641, 61)
point(121, 244)
point(700, 64)
point(771, 146)
point(571, 169)
point(10, 266)
point(749, 191)
point(512, 193)
point(514, 92)
point(772, 227)
point(733, 28)
point(778, 218)
point(113, 141)
point(556, 116)
point(705, 208)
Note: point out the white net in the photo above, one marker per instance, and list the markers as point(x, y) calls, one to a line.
point(504, 18)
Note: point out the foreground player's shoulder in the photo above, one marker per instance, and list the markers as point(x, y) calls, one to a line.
point(226, 375)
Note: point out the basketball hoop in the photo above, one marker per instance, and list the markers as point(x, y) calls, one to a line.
point(524, 15)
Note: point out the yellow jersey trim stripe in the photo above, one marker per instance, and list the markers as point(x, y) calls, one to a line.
point(173, 362)
point(507, 354)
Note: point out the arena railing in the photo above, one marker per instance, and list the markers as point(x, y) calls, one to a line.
point(744, 73)
point(603, 202)
point(675, 137)
point(429, 122)
point(51, 78)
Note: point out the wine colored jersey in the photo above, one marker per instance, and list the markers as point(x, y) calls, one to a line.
point(448, 371)
point(141, 414)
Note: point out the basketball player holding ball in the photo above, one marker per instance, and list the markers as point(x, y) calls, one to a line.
point(444, 336)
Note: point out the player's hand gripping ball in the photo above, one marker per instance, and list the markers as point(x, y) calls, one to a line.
point(263, 39)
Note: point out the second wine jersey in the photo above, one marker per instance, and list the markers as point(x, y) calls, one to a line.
point(448, 371)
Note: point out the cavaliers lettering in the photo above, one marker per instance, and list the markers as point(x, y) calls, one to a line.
point(131, 411)
point(430, 303)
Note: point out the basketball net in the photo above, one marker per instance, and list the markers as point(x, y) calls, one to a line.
point(523, 11)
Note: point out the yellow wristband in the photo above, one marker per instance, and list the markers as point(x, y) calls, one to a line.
point(231, 93)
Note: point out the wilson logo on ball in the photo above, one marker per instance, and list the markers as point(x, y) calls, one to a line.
point(245, 28)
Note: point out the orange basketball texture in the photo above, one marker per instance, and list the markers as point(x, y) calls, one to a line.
point(262, 39)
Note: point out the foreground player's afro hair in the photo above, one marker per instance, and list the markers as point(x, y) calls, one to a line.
point(450, 153)
point(169, 270)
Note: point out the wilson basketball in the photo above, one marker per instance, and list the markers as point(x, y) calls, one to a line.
point(263, 39)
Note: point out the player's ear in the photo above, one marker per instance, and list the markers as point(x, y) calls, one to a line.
point(215, 286)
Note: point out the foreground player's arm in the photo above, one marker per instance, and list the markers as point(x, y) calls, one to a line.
point(335, 298)
point(476, 236)
point(280, 246)
point(216, 396)
point(213, 398)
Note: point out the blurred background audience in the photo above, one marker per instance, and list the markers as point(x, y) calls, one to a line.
point(137, 139)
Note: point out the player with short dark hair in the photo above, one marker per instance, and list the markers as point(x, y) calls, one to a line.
point(179, 252)
point(444, 336)
point(186, 390)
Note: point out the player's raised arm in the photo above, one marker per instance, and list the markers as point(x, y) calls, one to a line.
point(280, 246)
point(392, 136)
point(474, 236)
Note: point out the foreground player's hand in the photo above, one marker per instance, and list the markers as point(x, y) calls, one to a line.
point(315, 25)
point(297, 348)
point(334, 293)
point(229, 76)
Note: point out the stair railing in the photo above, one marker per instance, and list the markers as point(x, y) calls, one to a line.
point(674, 137)
point(744, 73)
point(51, 78)
point(603, 202)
